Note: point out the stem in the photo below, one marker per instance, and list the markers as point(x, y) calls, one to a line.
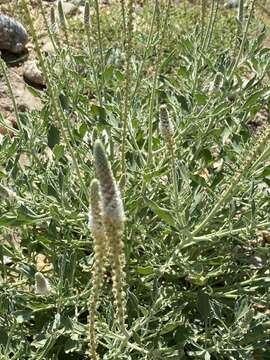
point(212, 25)
point(123, 14)
point(175, 187)
point(128, 52)
point(14, 104)
point(90, 51)
point(202, 17)
point(102, 67)
point(100, 46)
point(241, 13)
point(243, 42)
point(139, 75)
point(220, 234)
point(156, 74)
point(54, 39)
point(205, 40)
point(54, 98)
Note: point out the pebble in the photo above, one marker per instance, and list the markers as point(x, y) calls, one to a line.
point(69, 8)
point(231, 4)
point(32, 73)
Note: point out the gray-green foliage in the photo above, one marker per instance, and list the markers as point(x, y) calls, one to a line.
point(197, 273)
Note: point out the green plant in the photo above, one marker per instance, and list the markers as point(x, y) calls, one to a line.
point(189, 267)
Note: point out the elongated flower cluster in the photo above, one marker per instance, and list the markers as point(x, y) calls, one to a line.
point(106, 220)
point(87, 15)
point(166, 126)
point(113, 217)
point(100, 250)
point(111, 200)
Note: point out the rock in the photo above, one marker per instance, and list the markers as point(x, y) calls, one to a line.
point(48, 48)
point(32, 73)
point(69, 8)
point(25, 100)
point(231, 4)
point(13, 36)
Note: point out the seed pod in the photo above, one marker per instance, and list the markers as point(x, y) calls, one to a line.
point(166, 126)
point(87, 14)
point(13, 36)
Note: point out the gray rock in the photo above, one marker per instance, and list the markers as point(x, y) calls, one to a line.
point(69, 8)
point(231, 4)
point(13, 36)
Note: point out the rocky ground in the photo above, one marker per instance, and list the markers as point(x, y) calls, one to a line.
point(22, 68)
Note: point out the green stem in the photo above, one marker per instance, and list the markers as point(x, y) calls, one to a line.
point(212, 25)
point(205, 40)
point(236, 63)
point(139, 74)
point(156, 74)
point(220, 234)
point(14, 104)
point(128, 51)
point(101, 52)
point(92, 61)
point(175, 187)
point(202, 17)
point(54, 99)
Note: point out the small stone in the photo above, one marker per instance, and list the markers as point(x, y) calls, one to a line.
point(32, 73)
point(48, 48)
point(231, 4)
point(42, 285)
point(25, 100)
point(69, 8)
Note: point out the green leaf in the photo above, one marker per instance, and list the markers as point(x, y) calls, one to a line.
point(3, 336)
point(182, 334)
point(169, 328)
point(266, 172)
point(199, 180)
point(201, 99)
point(58, 151)
point(53, 136)
point(241, 308)
point(145, 270)
point(183, 72)
point(108, 73)
point(203, 304)
point(163, 213)
point(119, 75)
point(253, 98)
